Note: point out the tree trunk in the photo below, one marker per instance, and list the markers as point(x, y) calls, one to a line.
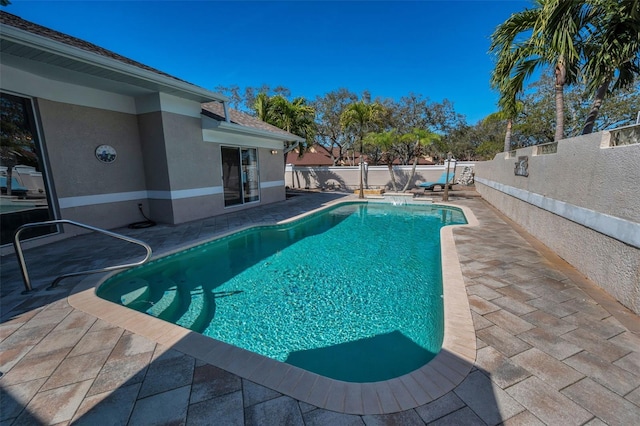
point(417, 153)
point(9, 180)
point(10, 164)
point(284, 159)
point(595, 108)
point(413, 173)
point(393, 177)
point(507, 136)
point(559, 90)
point(361, 191)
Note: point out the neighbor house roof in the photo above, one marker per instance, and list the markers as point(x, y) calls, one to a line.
point(47, 52)
point(317, 155)
point(310, 158)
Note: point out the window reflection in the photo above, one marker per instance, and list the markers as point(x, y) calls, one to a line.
point(23, 197)
point(250, 175)
point(240, 175)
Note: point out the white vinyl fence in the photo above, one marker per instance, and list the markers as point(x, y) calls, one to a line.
point(374, 177)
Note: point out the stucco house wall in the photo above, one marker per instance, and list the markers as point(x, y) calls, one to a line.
point(72, 132)
point(582, 202)
point(168, 150)
point(272, 175)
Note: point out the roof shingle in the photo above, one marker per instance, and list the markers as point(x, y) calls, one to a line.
point(215, 110)
point(33, 28)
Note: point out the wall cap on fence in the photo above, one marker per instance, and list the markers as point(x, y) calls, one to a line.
point(620, 229)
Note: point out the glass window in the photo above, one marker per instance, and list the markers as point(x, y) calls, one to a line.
point(251, 184)
point(231, 176)
point(240, 179)
point(24, 197)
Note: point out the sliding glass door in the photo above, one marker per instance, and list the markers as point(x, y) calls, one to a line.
point(250, 184)
point(23, 182)
point(240, 178)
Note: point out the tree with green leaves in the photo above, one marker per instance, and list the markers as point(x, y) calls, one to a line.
point(362, 117)
point(16, 138)
point(620, 109)
point(423, 143)
point(295, 117)
point(330, 135)
point(244, 99)
point(415, 111)
point(510, 108)
point(385, 143)
point(547, 35)
point(612, 51)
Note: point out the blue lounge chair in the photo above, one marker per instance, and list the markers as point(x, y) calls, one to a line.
point(440, 182)
point(16, 188)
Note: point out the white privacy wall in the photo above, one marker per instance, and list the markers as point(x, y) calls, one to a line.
point(583, 202)
point(374, 177)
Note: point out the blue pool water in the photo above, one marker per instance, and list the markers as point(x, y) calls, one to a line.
point(353, 293)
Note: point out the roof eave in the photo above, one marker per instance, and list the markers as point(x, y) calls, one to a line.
point(189, 91)
point(211, 124)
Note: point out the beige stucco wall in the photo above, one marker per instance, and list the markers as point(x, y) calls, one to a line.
point(193, 208)
point(154, 151)
point(191, 162)
point(161, 155)
point(168, 158)
point(581, 202)
point(71, 134)
point(271, 165)
point(271, 176)
point(177, 159)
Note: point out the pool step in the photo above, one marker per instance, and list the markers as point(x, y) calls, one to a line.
point(135, 292)
point(195, 317)
point(169, 302)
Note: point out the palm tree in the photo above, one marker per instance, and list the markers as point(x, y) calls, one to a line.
point(295, 117)
point(510, 107)
point(553, 29)
point(612, 51)
point(262, 107)
point(361, 117)
point(423, 140)
point(385, 141)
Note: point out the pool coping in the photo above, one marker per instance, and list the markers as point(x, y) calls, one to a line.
point(431, 381)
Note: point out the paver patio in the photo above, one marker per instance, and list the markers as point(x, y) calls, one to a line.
point(552, 348)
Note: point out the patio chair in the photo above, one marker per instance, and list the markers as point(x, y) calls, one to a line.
point(16, 188)
point(440, 182)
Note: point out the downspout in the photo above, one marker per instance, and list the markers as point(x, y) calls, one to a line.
point(292, 147)
point(286, 151)
point(226, 112)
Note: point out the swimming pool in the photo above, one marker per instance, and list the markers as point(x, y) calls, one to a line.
point(352, 293)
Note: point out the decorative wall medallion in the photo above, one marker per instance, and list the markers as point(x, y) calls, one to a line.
point(106, 153)
point(522, 166)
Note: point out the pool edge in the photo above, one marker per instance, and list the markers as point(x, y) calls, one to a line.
point(441, 375)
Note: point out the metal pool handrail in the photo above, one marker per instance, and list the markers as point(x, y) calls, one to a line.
point(23, 265)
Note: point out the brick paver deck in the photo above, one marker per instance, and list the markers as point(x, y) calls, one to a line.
point(551, 347)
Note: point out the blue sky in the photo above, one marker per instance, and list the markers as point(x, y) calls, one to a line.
point(391, 48)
